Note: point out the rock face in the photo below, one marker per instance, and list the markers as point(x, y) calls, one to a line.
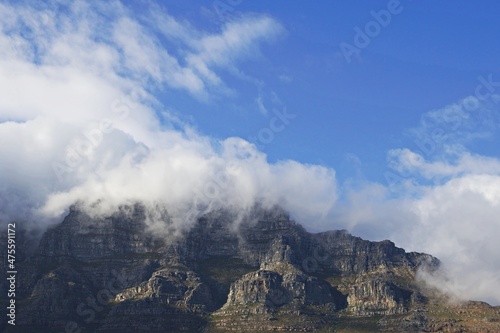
point(262, 273)
point(377, 296)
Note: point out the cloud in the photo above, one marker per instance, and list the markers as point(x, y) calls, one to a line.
point(79, 103)
point(191, 174)
point(447, 130)
point(237, 40)
point(458, 222)
point(463, 162)
point(446, 204)
point(107, 41)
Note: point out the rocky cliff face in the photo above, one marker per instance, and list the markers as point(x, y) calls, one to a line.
point(265, 273)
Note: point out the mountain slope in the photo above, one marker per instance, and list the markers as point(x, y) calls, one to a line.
point(260, 274)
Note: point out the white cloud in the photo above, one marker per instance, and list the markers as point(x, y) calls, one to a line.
point(449, 129)
point(237, 40)
point(190, 174)
point(86, 128)
point(458, 222)
point(464, 162)
point(447, 205)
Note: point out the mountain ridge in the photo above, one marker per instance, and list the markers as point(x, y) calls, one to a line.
point(262, 272)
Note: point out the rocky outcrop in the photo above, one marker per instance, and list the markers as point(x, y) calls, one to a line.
point(377, 296)
point(261, 272)
point(270, 291)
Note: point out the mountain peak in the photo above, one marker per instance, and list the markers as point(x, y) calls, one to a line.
point(258, 271)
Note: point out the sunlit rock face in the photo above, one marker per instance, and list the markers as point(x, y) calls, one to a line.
point(227, 272)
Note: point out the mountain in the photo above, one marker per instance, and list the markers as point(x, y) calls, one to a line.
point(260, 273)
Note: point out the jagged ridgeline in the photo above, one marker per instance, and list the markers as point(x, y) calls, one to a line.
point(264, 273)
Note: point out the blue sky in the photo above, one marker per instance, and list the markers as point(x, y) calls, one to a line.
point(379, 117)
point(349, 114)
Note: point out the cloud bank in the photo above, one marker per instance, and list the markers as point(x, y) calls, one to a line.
point(79, 122)
point(78, 84)
point(442, 199)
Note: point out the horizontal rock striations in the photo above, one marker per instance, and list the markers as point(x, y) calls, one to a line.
point(259, 273)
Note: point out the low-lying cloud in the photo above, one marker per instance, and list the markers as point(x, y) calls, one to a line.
point(445, 201)
point(87, 129)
